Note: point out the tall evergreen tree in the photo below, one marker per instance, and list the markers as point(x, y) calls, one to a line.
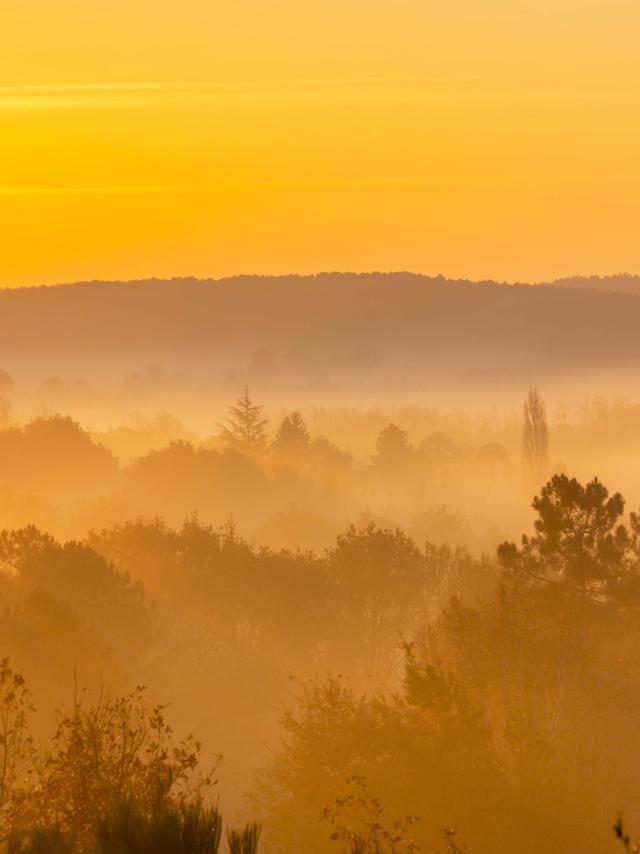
point(244, 429)
point(292, 434)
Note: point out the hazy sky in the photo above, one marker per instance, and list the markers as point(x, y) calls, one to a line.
point(476, 138)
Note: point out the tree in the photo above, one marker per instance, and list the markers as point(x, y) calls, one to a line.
point(380, 581)
point(293, 434)
point(244, 429)
point(6, 413)
point(6, 382)
point(111, 765)
point(580, 542)
point(358, 818)
point(535, 433)
point(16, 746)
point(393, 451)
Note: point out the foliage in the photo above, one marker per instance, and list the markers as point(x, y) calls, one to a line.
point(580, 542)
point(244, 841)
point(358, 818)
point(293, 433)
point(380, 579)
point(16, 743)
point(174, 828)
point(393, 451)
point(244, 429)
point(535, 433)
point(114, 768)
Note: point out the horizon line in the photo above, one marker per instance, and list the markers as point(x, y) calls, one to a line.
point(160, 280)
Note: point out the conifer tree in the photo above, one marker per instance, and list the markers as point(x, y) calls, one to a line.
point(244, 429)
point(292, 434)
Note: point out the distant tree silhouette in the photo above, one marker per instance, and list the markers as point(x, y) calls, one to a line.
point(379, 577)
point(535, 433)
point(6, 382)
point(244, 429)
point(6, 413)
point(292, 434)
point(393, 450)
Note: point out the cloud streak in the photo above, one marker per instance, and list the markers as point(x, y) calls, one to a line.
point(133, 94)
point(96, 95)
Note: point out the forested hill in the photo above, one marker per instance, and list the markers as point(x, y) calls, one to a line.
point(358, 321)
point(622, 284)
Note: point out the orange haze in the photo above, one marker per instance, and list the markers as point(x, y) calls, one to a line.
point(471, 138)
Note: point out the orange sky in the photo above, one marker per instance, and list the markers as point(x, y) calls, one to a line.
point(475, 138)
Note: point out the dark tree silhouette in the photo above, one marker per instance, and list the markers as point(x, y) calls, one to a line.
point(580, 541)
point(244, 429)
point(393, 450)
point(292, 434)
point(6, 382)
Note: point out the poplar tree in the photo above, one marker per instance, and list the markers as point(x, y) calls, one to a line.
point(535, 432)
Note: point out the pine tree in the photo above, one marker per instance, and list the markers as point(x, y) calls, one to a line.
point(292, 434)
point(244, 429)
point(393, 451)
point(535, 433)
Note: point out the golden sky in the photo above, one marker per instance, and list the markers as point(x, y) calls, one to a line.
point(473, 138)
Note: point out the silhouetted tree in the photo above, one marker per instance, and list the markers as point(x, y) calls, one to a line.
point(119, 751)
point(6, 413)
point(244, 429)
point(393, 450)
point(380, 580)
point(580, 541)
point(6, 382)
point(292, 434)
point(535, 433)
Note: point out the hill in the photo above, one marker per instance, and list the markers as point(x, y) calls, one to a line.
point(398, 322)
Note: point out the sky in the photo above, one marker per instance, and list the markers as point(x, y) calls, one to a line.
point(470, 138)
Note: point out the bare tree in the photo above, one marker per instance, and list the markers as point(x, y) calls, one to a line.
point(535, 433)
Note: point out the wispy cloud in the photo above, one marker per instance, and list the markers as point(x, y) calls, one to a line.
point(132, 94)
point(211, 186)
point(115, 190)
point(96, 95)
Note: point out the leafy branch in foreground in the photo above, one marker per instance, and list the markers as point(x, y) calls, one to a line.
point(358, 818)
